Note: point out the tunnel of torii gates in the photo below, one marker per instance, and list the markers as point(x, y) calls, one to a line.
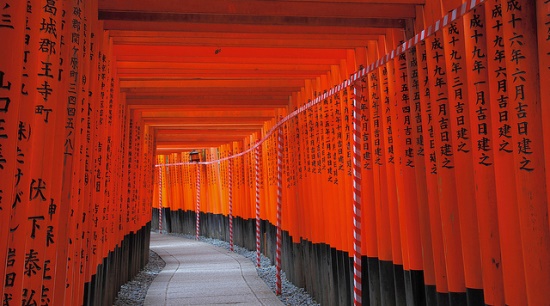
point(406, 168)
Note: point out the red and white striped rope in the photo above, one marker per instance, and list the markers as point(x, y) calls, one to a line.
point(257, 167)
point(278, 283)
point(230, 187)
point(450, 17)
point(198, 208)
point(160, 200)
point(357, 277)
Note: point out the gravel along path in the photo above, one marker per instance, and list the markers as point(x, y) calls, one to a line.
point(133, 293)
point(290, 295)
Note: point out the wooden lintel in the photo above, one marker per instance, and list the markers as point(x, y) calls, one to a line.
point(126, 57)
point(140, 74)
point(235, 113)
point(211, 131)
point(365, 35)
point(218, 67)
point(212, 92)
point(335, 43)
point(213, 128)
point(128, 25)
point(206, 120)
point(229, 52)
point(385, 19)
point(294, 84)
point(253, 10)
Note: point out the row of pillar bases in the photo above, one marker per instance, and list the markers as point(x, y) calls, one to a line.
point(195, 158)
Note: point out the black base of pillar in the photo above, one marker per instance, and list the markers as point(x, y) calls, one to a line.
point(120, 265)
point(324, 272)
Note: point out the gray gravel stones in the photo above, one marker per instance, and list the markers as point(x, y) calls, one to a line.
point(290, 295)
point(133, 292)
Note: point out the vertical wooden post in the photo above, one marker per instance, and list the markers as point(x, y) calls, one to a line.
point(503, 148)
point(416, 93)
point(12, 31)
point(543, 31)
point(406, 165)
point(480, 113)
point(520, 48)
point(443, 156)
point(388, 130)
point(427, 150)
point(369, 248)
point(380, 168)
point(457, 107)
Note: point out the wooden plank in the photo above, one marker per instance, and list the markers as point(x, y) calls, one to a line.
point(236, 112)
point(169, 60)
point(261, 9)
point(208, 74)
point(384, 20)
point(222, 66)
point(280, 28)
point(199, 122)
point(369, 1)
point(199, 107)
point(193, 143)
point(206, 129)
point(365, 34)
point(277, 93)
point(185, 148)
point(229, 42)
point(182, 146)
point(230, 52)
point(293, 84)
point(178, 138)
point(211, 131)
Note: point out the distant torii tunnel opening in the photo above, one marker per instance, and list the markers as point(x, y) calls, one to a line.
point(381, 153)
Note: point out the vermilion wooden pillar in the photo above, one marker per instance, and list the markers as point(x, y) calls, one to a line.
point(482, 141)
point(520, 48)
point(543, 31)
point(380, 167)
point(404, 136)
point(12, 29)
point(503, 148)
point(416, 92)
point(388, 128)
point(443, 155)
point(458, 107)
point(72, 141)
point(428, 150)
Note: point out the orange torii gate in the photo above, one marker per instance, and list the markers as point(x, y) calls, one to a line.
point(449, 124)
point(63, 136)
point(456, 111)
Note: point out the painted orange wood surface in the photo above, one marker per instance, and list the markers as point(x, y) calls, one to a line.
point(454, 143)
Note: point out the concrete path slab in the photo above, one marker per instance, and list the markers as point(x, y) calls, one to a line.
point(198, 273)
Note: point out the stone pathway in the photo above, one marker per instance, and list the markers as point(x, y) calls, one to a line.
point(197, 273)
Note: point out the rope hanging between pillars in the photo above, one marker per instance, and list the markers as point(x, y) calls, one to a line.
point(279, 207)
point(257, 167)
point(197, 210)
point(160, 200)
point(230, 179)
point(357, 278)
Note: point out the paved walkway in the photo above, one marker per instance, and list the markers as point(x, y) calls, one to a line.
point(198, 273)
